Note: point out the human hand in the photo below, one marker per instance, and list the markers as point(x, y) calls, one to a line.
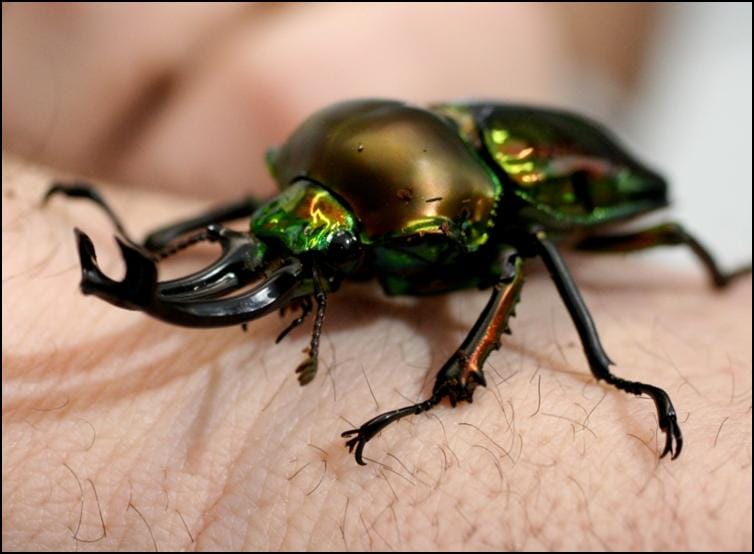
point(121, 432)
point(189, 98)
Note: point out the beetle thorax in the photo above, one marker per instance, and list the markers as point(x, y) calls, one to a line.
point(401, 170)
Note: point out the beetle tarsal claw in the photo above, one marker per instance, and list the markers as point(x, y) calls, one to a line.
point(358, 442)
point(366, 432)
point(672, 434)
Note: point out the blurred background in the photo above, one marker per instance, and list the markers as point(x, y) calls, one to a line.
point(186, 98)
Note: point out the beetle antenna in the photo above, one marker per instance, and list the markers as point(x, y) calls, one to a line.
point(308, 368)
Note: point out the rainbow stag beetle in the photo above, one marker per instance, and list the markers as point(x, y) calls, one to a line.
point(425, 200)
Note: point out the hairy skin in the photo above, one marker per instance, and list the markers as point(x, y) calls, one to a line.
point(121, 432)
point(124, 433)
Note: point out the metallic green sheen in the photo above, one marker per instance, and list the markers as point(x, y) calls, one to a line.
point(569, 170)
point(304, 218)
point(402, 170)
point(430, 266)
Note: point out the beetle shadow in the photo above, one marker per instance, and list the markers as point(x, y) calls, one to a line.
point(356, 306)
point(163, 365)
point(430, 318)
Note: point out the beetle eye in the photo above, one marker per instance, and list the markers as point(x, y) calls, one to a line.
point(343, 247)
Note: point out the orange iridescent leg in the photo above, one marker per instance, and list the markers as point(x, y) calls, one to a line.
point(461, 374)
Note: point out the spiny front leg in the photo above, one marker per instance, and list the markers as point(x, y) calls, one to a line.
point(463, 372)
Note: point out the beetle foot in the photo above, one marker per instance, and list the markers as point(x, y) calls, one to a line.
point(667, 418)
point(358, 442)
point(366, 432)
point(669, 424)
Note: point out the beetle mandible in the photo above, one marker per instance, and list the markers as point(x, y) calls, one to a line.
point(426, 200)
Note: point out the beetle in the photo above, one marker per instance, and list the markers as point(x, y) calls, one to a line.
point(425, 199)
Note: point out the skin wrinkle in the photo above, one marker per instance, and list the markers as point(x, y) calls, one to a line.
point(411, 442)
point(235, 463)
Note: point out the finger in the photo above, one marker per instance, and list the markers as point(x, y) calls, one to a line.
point(76, 76)
point(250, 92)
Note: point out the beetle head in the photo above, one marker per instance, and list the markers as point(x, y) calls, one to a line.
point(304, 234)
point(309, 222)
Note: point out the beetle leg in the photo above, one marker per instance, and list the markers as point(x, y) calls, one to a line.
point(162, 237)
point(308, 368)
point(81, 189)
point(664, 234)
point(240, 263)
point(178, 245)
point(306, 309)
point(159, 241)
point(599, 362)
point(461, 374)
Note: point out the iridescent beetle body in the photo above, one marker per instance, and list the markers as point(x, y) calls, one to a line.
point(421, 197)
point(425, 200)
point(432, 187)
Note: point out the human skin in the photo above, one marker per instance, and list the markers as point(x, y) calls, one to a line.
point(124, 433)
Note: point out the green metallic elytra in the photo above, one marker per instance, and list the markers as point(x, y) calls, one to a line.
point(569, 170)
point(457, 195)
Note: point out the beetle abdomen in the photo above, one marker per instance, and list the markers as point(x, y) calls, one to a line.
point(401, 169)
point(570, 170)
